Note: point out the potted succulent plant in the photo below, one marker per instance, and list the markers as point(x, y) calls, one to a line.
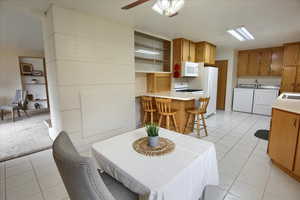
point(153, 137)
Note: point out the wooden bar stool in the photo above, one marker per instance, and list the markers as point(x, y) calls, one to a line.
point(163, 107)
point(198, 113)
point(148, 109)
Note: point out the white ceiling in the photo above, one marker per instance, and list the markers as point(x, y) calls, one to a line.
point(272, 22)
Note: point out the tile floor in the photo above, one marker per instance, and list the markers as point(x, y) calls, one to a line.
point(246, 172)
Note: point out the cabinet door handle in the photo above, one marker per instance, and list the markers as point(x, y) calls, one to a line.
point(295, 123)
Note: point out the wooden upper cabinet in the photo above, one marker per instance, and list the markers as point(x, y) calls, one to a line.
point(277, 61)
point(283, 138)
point(265, 62)
point(297, 80)
point(192, 47)
point(260, 62)
point(291, 56)
point(183, 51)
point(205, 52)
point(253, 63)
point(243, 58)
point(288, 79)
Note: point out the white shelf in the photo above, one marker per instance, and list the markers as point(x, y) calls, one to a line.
point(152, 72)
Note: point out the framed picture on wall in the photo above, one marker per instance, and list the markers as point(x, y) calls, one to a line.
point(26, 68)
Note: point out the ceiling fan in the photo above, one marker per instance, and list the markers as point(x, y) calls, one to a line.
point(168, 8)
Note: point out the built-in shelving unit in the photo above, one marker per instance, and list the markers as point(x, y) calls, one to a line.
point(34, 81)
point(152, 54)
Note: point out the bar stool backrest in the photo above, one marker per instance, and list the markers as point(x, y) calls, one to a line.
point(204, 101)
point(147, 103)
point(163, 105)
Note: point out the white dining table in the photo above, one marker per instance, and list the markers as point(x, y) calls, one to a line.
point(179, 175)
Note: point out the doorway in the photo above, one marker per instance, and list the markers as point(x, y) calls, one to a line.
point(222, 66)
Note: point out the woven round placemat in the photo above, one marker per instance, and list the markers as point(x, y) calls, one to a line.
point(165, 146)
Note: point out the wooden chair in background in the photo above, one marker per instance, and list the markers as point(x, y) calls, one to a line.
point(148, 109)
point(163, 107)
point(198, 113)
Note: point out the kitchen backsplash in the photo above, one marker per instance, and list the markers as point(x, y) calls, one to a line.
point(261, 80)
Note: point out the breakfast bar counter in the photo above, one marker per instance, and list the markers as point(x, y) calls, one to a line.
point(181, 102)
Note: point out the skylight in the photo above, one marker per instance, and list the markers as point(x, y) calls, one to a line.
point(241, 33)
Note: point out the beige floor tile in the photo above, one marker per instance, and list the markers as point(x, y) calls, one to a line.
point(57, 192)
point(246, 192)
point(24, 191)
point(231, 197)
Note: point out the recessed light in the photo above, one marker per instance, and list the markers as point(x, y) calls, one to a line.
point(241, 33)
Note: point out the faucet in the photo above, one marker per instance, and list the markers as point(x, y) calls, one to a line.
point(257, 85)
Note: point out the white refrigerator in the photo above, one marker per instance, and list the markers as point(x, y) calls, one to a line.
point(208, 82)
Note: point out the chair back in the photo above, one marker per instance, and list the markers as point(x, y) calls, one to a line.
point(147, 103)
point(79, 174)
point(204, 101)
point(20, 98)
point(163, 105)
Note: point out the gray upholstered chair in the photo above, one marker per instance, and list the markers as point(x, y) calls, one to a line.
point(19, 103)
point(80, 175)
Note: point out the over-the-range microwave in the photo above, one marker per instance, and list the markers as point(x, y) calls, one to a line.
point(190, 69)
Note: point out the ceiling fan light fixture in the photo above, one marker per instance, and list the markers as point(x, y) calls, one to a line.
point(168, 7)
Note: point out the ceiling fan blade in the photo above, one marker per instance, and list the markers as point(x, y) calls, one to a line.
point(136, 3)
point(174, 14)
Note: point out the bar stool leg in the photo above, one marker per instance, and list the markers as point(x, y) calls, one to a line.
point(168, 122)
point(145, 118)
point(188, 122)
point(175, 124)
point(204, 124)
point(198, 124)
point(159, 121)
point(151, 117)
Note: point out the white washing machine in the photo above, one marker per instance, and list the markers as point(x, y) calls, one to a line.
point(243, 99)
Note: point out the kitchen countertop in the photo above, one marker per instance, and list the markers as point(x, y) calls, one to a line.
point(290, 105)
point(184, 96)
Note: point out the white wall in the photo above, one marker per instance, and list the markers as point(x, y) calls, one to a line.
point(91, 75)
point(231, 56)
point(10, 78)
point(261, 80)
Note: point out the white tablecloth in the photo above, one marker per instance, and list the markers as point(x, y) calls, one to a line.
point(180, 175)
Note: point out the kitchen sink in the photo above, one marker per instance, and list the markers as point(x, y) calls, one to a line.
point(295, 97)
point(268, 87)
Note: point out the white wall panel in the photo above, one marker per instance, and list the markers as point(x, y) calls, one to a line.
point(106, 108)
point(92, 75)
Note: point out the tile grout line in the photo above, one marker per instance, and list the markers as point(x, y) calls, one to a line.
point(235, 142)
point(36, 178)
point(266, 184)
point(240, 171)
point(5, 197)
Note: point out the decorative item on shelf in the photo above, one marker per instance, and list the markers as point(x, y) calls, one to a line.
point(34, 81)
point(30, 97)
point(153, 137)
point(26, 68)
point(176, 70)
point(37, 106)
point(37, 73)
